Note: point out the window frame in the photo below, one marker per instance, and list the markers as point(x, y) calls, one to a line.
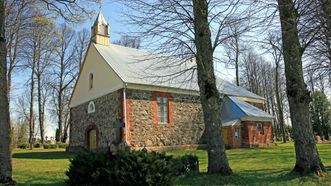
point(235, 132)
point(260, 132)
point(164, 103)
point(169, 109)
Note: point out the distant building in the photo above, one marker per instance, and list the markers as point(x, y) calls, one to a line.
point(124, 97)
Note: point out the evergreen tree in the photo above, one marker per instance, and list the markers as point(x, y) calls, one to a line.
point(320, 109)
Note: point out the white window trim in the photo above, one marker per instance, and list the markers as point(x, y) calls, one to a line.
point(91, 107)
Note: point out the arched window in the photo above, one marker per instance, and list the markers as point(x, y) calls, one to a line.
point(91, 107)
point(91, 81)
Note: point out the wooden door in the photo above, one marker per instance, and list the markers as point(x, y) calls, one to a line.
point(92, 139)
point(225, 136)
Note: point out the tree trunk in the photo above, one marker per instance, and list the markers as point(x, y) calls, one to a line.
point(307, 157)
point(40, 101)
point(209, 95)
point(59, 98)
point(279, 104)
point(31, 120)
point(5, 152)
point(237, 60)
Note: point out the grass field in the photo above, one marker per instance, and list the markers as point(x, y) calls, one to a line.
point(260, 166)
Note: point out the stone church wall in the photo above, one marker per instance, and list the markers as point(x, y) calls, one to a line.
point(186, 128)
point(104, 120)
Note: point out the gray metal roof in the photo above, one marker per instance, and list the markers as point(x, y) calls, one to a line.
point(141, 67)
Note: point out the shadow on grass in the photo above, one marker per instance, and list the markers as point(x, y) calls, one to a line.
point(248, 177)
point(44, 155)
point(47, 184)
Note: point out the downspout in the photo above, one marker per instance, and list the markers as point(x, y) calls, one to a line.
point(124, 114)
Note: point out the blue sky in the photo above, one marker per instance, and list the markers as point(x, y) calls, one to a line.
point(112, 13)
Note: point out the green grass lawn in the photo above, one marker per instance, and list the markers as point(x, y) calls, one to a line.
point(260, 166)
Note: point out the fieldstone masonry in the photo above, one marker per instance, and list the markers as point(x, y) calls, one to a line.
point(186, 129)
point(187, 125)
point(104, 119)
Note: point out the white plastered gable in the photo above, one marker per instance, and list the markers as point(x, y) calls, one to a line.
point(105, 80)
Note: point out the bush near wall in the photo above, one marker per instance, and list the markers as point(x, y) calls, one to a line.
point(62, 145)
point(129, 168)
point(50, 146)
point(23, 146)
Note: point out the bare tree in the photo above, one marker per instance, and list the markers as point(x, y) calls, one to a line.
point(233, 44)
point(70, 11)
point(35, 56)
point(83, 39)
point(307, 156)
point(182, 29)
point(16, 23)
point(129, 41)
point(64, 73)
point(45, 51)
point(320, 50)
point(274, 47)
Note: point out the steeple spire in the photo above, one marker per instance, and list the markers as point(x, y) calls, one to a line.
point(100, 19)
point(100, 30)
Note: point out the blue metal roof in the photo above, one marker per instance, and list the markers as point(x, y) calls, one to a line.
point(234, 108)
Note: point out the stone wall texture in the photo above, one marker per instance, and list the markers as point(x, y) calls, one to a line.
point(186, 125)
point(104, 120)
point(185, 128)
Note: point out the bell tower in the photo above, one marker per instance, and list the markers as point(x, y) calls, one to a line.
point(100, 31)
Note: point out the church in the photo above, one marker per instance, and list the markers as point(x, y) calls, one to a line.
point(130, 98)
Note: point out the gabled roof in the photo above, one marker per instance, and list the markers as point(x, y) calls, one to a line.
point(234, 108)
point(139, 67)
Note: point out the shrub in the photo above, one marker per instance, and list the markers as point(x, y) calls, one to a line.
point(62, 145)
point(187, 164)
point(89, 169)
point(128, 168)
point(37, 145)
point(23, 146)
point(50, 146)
point(142, 168)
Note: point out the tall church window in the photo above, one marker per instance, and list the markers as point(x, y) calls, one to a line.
point(91, 81)
point(163, 109)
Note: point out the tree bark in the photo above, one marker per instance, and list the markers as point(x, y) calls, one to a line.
point(209, 95)
point(60, 106)
point(31, 119)
point(237, 59)
point(5, 151)
point(40, 100)
point(279, 104)
point(307, 157)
